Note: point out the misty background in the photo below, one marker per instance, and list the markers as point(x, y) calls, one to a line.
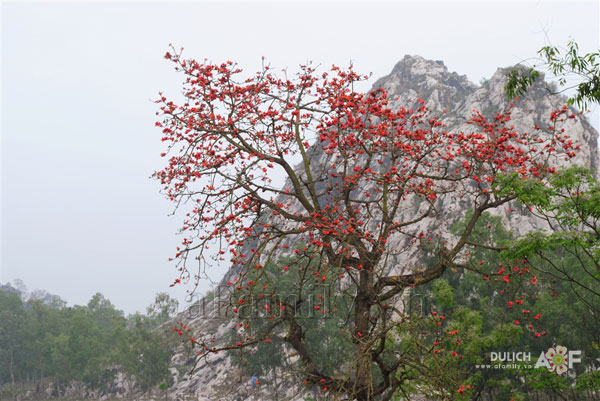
point(80, 214)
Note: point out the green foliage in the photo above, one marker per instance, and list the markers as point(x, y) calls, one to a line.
point(562, 63)
point(519, 81)
point(104, 314)
point(528, 190)
point(162, 310)
point(43, 339)
point(12, 329)
point(143, 353)
point(443, 294)
point(483, 310)
point(570, 250)
point(326, 335)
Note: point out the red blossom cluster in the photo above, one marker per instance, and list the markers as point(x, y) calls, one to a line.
point(351, 163)
point(232, 136)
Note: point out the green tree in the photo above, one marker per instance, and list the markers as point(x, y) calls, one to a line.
point(12, 345)
point(563, 64)
point(569, 250)
point(47, 322)
point(162, 310)
point(43, 339)
point(47, 299)
point(527, 312)
point(143, 349)
point(104, 314)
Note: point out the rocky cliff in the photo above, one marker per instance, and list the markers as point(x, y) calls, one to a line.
point(447, 94)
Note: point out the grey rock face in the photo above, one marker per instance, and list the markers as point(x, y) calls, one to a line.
point(414, 77)
point(453, 97)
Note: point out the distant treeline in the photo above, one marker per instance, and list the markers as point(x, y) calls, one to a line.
point(46, 346)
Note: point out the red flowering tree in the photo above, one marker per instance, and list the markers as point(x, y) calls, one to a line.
point(365, 187)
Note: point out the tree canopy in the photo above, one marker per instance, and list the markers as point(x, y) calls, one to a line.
point(361, 208)
point(46, 346)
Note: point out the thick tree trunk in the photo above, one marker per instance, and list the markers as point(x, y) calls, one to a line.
point(362, 315)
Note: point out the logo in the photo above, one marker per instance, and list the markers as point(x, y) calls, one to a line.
point(558, 359)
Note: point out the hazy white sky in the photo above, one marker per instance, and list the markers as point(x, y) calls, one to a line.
point(79, 213)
